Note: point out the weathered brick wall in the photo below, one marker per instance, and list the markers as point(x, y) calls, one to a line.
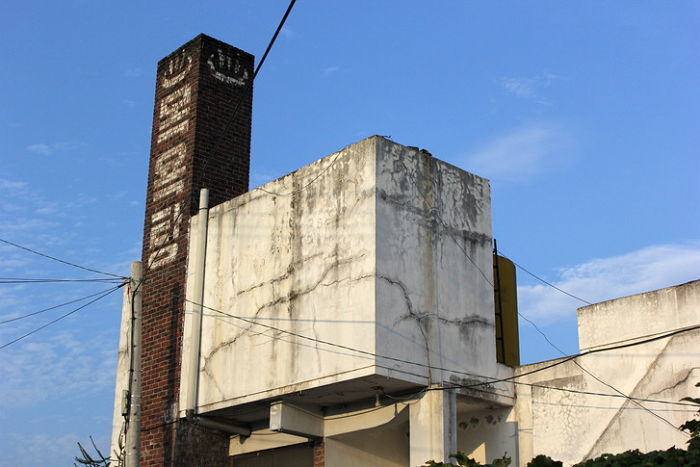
point(194, 145)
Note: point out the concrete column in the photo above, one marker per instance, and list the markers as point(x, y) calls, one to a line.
point(433, 427)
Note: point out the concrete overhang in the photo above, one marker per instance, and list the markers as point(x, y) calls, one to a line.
point(290, 425)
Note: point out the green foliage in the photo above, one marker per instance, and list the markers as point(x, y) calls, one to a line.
point(464, 461)
point(669, 457)
point(693, 426)
point(544, 461)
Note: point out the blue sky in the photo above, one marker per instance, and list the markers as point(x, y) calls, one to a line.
point(584, 115)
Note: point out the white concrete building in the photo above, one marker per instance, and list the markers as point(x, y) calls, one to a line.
point(571, 426)
point(350, 305)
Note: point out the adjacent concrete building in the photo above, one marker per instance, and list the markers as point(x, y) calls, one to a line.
point(344, 314)
point(573, 426)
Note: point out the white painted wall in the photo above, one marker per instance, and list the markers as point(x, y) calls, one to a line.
point(297, 254)
point(433, 245)
point(122, 376)
point(485, 435)
point(574, 427)
point(292, 456)
point(364, 248)
point(386, 446)
point(637, 316)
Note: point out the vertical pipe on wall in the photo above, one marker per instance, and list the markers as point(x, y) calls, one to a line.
point(199, 251)
point(132, 457)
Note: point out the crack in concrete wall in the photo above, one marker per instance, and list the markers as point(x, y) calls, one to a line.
point(290, 297)
point(637, 391)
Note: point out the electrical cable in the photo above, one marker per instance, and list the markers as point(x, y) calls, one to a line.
point(604, 349)
point(304, 187)
point(449, 387)
point(216, 147)
point(53, 307)
point(229, 122)
point(573, 391)
point(437, 217)
point(60, 260)
point(600, 380)
point(131, 345)
point(113, 289)
point(320, 341)
point(490, 380)
point(545, 282)
point(587, 393)
point(622, 394)
point(23, 280)
point(274, 37)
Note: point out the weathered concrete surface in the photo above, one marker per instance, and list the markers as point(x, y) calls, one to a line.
point(122, 377)
point(604, 324)
point(433, 231)
point(385, 446)
point(433, 427)
point(364, 249)
point(574, 427)
point(488, 434)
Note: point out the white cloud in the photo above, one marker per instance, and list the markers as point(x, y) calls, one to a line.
point(528, 87)
point(45, 149)
point(521, 154)
point(40, 148)
point(36, 449)
point(26, 225)
point(521, 87)
point(11, 184)
point(600, 279)
point(54, 365)
point(331, 69)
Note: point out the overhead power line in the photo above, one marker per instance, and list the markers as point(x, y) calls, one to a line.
point(101, 296)
point(597, 378)
point(406, 398)
point(606, 349)
point(274, 37)
point(59, 260)
point(25, 280)
point(53, 307)
point(229, 121)
point(585, 370)
point(546, 282)
point(489, 380)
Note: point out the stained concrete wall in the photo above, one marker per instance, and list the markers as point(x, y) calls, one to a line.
point(433, 237)
point(297, 254)
point(385, 446)
point(485, 435)
point(365, 249)
point(629, 318)
point(293, 456)
point(118, 440)
point(573, 427)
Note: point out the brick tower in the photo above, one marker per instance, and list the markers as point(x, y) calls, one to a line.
point(200, 139)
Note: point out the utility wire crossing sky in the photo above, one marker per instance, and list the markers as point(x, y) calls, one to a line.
point(583, 116)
